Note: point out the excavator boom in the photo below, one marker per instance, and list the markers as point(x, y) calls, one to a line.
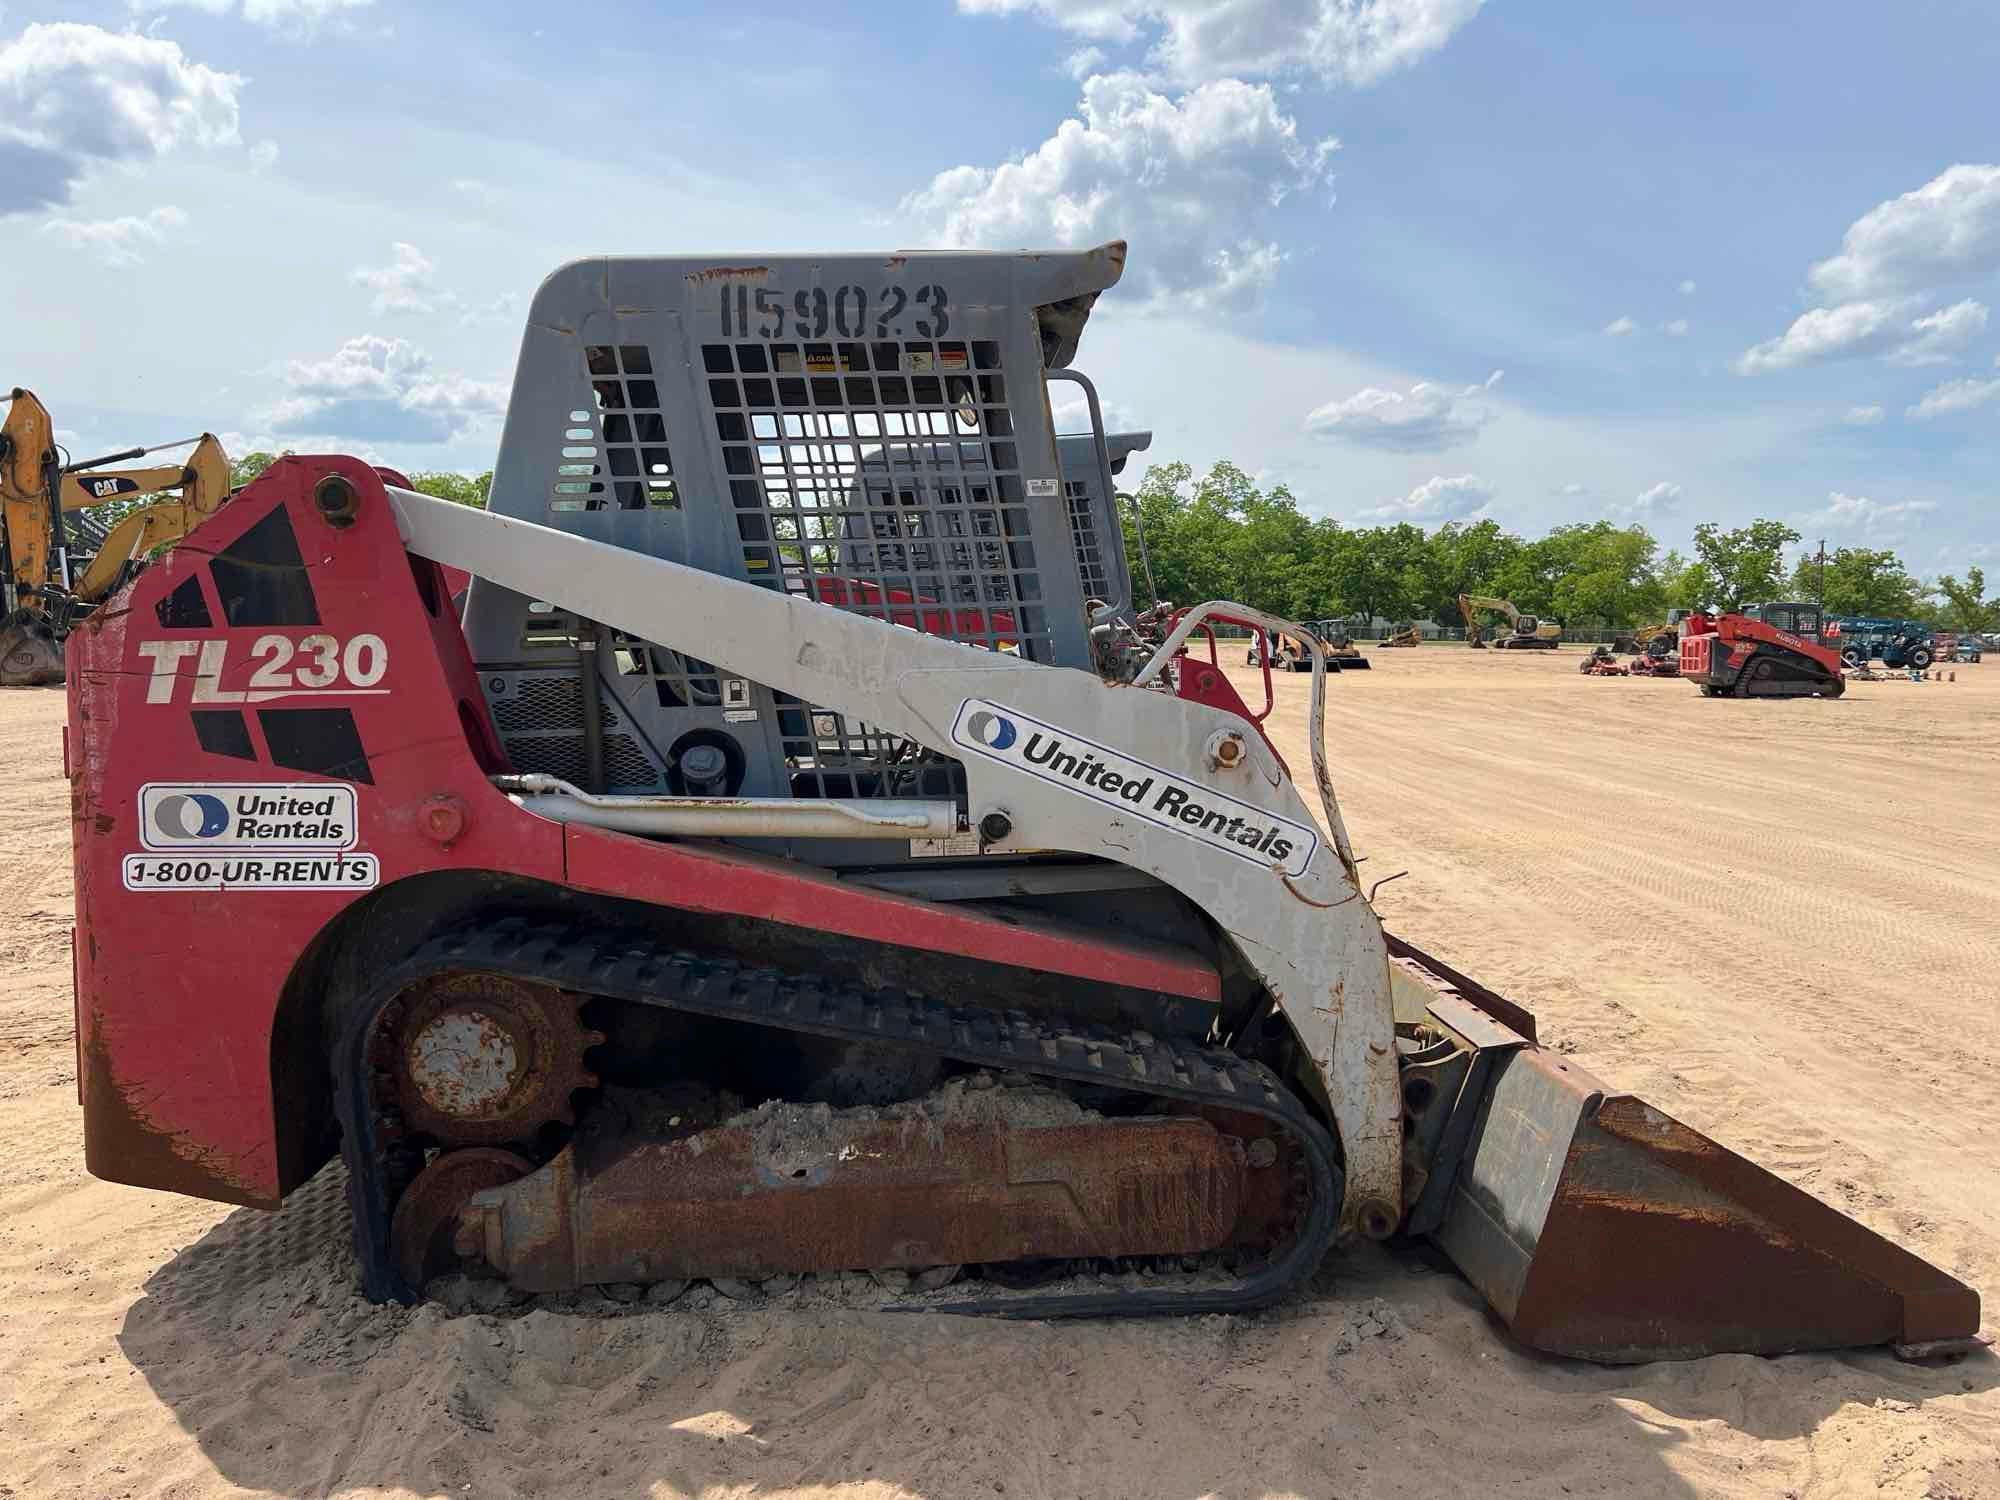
point(48, 587)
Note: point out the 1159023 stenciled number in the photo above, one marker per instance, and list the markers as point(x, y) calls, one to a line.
point(848, 312)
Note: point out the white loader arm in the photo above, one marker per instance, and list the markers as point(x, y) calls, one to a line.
point(1054, 759)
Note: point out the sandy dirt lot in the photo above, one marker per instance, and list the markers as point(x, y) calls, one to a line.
point(1779, 921)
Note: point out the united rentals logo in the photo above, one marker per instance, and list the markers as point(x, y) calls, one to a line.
point(1134, 786)
point(264, 816)
point(994, 731)
point(183, 817)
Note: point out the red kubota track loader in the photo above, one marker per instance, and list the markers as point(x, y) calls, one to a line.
point(660, 919)
point(1763, 651)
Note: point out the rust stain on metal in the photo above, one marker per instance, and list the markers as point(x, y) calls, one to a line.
point(426, 1223)
point(483, 1060)
point(1602, 1228)
point(863, 1194)
point(125, 1142)
point(1731, 1218)
point(731, 273)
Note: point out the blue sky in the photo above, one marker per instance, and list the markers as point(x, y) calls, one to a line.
point(1417, 258)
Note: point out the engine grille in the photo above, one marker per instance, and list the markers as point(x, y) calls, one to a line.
point(540, 719)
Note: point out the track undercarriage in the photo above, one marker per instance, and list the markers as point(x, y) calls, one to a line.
point(1774, 673)
point(891, 1134)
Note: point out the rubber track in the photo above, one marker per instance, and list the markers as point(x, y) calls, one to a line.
point(1800, 676)
point(633, 968)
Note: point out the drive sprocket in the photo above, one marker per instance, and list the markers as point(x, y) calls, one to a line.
point(485, 1060)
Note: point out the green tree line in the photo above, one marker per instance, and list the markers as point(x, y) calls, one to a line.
point(1219, 536)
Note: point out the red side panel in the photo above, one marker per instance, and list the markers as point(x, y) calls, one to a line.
point(700, 877)
point(276, 658)
point(218, 670)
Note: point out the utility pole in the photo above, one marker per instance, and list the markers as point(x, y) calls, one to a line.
point(1821, 600)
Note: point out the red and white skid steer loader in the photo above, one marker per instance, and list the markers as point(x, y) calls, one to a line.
point(789, 864)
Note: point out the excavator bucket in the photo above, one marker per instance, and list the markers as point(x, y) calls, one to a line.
point(30, 655)
point(1602, 1228)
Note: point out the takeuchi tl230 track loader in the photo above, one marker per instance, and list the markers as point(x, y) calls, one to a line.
point(661, 920)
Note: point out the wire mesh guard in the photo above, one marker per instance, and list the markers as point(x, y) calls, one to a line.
point(637, 468)
point(1090, 565)
point(878, 477)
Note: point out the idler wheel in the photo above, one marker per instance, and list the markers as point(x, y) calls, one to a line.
point(426, 1219)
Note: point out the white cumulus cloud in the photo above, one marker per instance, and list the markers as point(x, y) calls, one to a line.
point(1188, 180)
point(1863, 416)
point(407, 284)
point(1687, 288)
point(1855, 329)
point(1620, 326)
point(1458, 497)
point(1953, 397)
point(385, 390)
point(1649, 506)
point(1355, 42)
point(72, 95)
point(1945, 231)
point(1896, 261)
point(1425, 419)
point(121, 241)
point(1942, 336)
point(1874, 519)
point(1675, 328)
point(1081, 63)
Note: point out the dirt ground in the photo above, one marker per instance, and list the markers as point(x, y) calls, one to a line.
point(1779, 921)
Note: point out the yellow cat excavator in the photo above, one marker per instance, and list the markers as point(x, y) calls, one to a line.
point(1527, 632)
point(57, 570)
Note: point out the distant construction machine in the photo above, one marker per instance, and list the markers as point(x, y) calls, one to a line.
point(1526, 632)
point(1603, 662)
point(1288, 653)
point(1761, 651)
point(50, 582)
point(1656, 651)
point(1901, 645)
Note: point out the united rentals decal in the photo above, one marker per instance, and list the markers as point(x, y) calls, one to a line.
point(249, 835)
point(1133, 786)
point(263, 816)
